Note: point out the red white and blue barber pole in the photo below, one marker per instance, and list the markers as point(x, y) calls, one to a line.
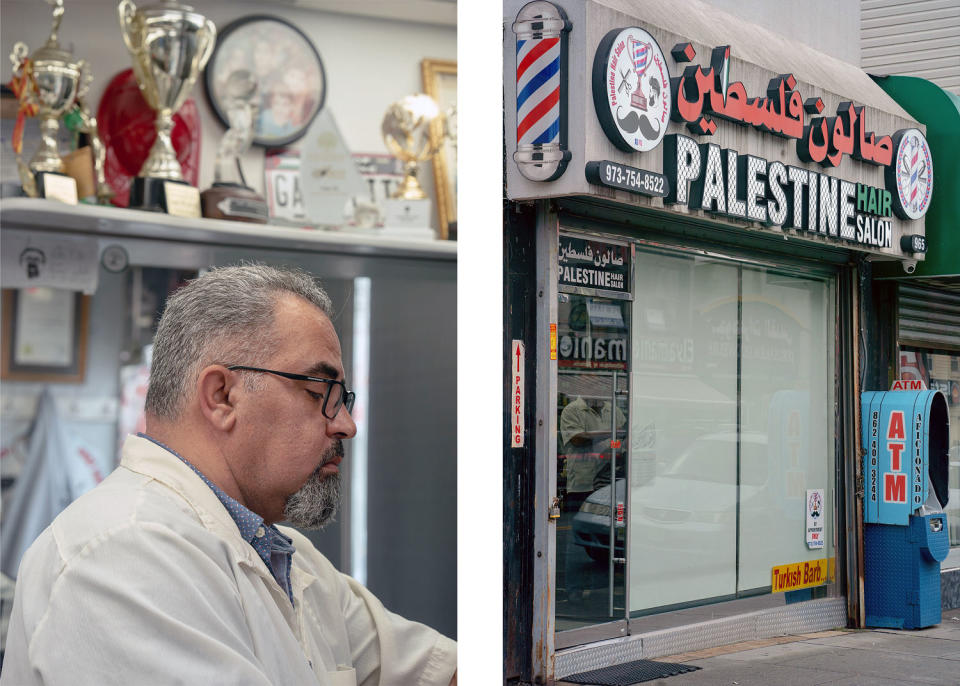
point(541, 29)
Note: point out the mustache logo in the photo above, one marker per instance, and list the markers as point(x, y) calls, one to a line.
point(634, 122)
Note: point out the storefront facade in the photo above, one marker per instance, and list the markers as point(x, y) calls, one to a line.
point(693, 204)
point(919, 314)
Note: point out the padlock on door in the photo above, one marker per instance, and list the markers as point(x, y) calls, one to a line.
point(555, 508)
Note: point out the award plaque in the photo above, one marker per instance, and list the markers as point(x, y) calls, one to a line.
point(169, 45)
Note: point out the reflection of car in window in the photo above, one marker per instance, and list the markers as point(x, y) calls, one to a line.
point(696, 493)
point(699, 461)
point(591, 525)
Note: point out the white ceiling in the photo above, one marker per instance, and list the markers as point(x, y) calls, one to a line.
point(443, 12)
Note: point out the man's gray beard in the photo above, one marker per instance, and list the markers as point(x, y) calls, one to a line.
point(317, 501)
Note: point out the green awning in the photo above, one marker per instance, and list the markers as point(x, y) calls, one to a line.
point(939, 110)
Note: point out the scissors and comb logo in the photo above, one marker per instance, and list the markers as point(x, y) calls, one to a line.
point(912, 174)
point(632, 89)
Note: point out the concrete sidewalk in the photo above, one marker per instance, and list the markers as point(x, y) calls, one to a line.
point(885, 657)
point(874, 656)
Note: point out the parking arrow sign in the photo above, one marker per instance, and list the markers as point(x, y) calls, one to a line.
point(516, 395)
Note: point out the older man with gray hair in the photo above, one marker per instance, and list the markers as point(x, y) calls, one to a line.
point(173, 570)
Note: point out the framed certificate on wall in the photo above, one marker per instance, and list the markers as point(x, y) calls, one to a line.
point(44, 335)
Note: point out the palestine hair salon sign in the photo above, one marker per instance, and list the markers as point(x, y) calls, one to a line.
point(723, 182)
point(594, 264)
point(636, 98)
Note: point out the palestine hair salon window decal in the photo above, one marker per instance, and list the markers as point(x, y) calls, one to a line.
point(634, 95)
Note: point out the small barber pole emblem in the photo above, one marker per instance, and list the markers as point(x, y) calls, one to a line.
point(641, 59)
point(541, 29)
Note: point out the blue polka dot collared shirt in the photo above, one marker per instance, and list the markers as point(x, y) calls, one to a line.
point(273, 547)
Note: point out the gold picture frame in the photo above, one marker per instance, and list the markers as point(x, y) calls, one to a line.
point(440, 83)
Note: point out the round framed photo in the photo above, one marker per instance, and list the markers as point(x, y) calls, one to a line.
point(291, 84)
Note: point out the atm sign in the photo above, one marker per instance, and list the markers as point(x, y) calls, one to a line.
point(895, 481)
point(908, 385)
point(800, 575)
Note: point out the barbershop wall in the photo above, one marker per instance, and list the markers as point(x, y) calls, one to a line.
point(101, 381)
point(369, 63)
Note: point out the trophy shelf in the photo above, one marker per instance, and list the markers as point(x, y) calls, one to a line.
point(35, 214)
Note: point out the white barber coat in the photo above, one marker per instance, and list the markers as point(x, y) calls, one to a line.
point(146, 580)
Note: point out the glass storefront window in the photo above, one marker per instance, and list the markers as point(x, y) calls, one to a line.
point(787, 417)
point(684, 399)
point(731, 422)
point(941, 372)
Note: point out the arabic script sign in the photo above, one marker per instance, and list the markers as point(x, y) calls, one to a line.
point(700, 92)
point(632, 108)
point(594, 264)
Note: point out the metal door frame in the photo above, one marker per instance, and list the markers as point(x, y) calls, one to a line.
point(546, 640)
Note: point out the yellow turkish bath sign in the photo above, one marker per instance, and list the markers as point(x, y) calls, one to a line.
point(802, 575)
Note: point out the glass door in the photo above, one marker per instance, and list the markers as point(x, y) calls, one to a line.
point(592, 460)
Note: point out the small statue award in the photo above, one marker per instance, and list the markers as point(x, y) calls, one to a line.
point(230, 197)
point(406, 131)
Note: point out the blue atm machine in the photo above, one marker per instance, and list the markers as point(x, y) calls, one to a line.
point(905, 435)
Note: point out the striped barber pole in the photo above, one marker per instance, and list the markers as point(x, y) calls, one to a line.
point(914, 174)
point(541, 136)
point(538, 91)
point(641, 56)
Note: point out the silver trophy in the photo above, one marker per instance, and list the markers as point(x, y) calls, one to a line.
point(230, 197)
point(50, 79)
point(169, 45)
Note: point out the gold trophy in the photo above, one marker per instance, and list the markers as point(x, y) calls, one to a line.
point(46, 82)
point(406, 131)
point(230, 197)
point(169, 44)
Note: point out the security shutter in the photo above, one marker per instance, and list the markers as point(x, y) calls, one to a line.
point(928, 318)
point(912, 38)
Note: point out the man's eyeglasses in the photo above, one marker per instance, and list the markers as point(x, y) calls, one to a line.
point(337, 395)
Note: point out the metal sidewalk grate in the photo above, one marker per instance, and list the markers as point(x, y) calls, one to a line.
point(628, 673)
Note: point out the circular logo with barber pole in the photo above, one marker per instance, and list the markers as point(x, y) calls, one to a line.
point(631, 89)
point(910, 175)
